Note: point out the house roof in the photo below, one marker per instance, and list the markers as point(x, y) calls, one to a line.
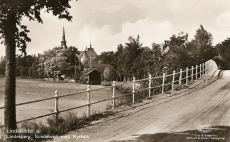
point(99, 67)
point(89, 71)
point(84, 55)
point(88, 52)
point(166, 50)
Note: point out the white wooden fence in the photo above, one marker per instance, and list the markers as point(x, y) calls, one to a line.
point(183, 76)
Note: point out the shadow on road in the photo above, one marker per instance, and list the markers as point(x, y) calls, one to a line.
point(218, 134)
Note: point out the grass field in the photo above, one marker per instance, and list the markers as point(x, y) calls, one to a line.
point(30, 90)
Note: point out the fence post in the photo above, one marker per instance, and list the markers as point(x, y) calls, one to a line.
point(187, 76)
point(200, 70)
point(150, 76)
point(180, 76)
point(133, 90)
point(88, 102)
point(196, 71)
point(163, 83)
point(173, 80)
point(56, 106)
point(203, 69)
point(114, 84)
point(192, 74)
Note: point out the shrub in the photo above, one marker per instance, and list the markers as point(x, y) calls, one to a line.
point(106, 83)
point(109, 74)
point(52, 128)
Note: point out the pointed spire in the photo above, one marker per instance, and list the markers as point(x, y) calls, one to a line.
point(63, 42)
point(63, 35)
point(90, 45)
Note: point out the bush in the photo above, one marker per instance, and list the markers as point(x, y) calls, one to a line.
point(106, 83)
point(69, 122)
point(109, 74)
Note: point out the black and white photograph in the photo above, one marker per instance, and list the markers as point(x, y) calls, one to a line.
point(115, 71)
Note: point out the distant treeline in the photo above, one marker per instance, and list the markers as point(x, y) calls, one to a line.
point(133, 59)
point(32, 66)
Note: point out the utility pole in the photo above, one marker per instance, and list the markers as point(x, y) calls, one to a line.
point(75, 65)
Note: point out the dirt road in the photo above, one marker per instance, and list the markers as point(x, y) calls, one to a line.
point(173, 119)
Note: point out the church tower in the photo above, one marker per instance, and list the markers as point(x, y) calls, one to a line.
point(63, 42)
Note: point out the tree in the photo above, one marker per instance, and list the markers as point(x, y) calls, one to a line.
point(202, 44)
point(23, 64)
point(70, 54)
point(158, 58)
point(177, 57)
point(33, 69)
point(109, 74)
point(53, 59)
point(2, 67)
point(105, 57)
point(223, 50)
point(14, 33)
point(118, 62)
point(29, 60)
point(24, 71)
point(129, 56)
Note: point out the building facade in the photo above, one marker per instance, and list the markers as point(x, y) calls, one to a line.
point(88, 56)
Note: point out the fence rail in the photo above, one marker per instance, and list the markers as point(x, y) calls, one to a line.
point(176, 77)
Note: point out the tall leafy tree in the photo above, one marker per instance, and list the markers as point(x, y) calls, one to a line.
point(177, 55)
point(33, 68)
point(53, 59)
point(2, 67)
point(130, 53)
point(202, 46)
point(158, 60)
point(70, 54)
point(119, 62)
point(14, 34)
point(106, 57)
point(223, 52)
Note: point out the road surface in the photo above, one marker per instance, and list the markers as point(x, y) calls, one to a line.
point(174, 119)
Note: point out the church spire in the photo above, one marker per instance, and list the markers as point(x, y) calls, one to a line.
point(63, 35)
point(63, 42)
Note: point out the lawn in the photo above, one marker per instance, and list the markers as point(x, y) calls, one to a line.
point(32, 89)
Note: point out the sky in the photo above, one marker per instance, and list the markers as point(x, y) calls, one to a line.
point(108, 23)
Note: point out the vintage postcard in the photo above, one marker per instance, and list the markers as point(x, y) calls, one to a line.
point(115, 70)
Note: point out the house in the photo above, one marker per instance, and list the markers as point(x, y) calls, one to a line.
point(99, 67)
point(165, 48)
point(92, 76)
point(87, 56)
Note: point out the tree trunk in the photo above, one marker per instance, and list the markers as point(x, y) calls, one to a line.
point(10, 85)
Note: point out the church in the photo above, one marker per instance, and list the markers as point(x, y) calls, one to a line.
point(93, 70)
point(86, 57)
point(63, 42)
